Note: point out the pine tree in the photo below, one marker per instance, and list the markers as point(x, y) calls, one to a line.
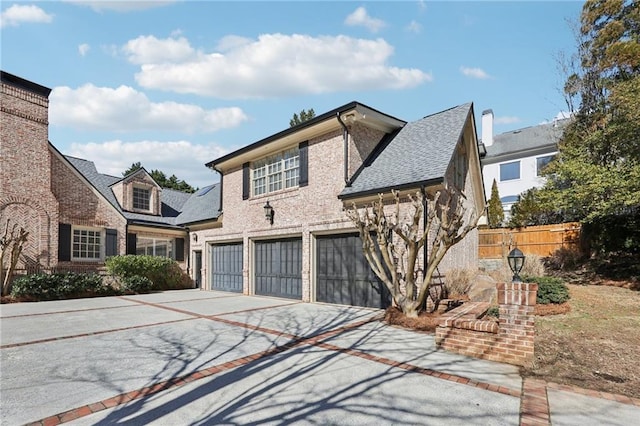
point(496, 213)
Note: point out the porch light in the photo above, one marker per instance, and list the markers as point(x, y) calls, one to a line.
point(516, 262)
point(268, 212)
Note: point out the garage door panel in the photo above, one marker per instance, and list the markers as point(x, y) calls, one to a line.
point(278, 268)
point(343, 275)
point(226, 267)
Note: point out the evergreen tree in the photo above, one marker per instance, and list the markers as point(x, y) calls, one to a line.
point(597, 171)
point(495, 211)
point(304, 116)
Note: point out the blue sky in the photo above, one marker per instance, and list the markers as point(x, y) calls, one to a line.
point(175, 84)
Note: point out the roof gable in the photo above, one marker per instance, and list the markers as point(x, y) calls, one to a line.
point(418, 154)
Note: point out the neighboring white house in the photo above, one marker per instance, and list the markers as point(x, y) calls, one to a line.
point(515, 158)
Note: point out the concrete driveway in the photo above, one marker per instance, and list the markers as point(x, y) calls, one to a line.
point(195, 357)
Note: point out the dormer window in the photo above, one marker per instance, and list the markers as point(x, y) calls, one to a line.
point(276, 172)
point(141, 198)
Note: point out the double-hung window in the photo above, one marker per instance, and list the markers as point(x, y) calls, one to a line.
point(86, 244)
point(141, 198)
point(276, 172)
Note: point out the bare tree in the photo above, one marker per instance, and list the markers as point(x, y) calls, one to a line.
point(391, 243)
point(11, 244)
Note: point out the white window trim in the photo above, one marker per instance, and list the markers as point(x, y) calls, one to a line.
point(510, 162)
point(102, 244)
point(171, 242)
point(262, 166)
point(151, 198)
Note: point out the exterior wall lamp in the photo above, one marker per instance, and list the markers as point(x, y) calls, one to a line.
point(268, 212)
point(194, 237)
point(516, 262)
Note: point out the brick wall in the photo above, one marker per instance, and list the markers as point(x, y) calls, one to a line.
point(25, 186)
point(509, 340)
point(80, 204)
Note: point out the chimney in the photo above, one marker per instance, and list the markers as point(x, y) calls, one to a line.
point(487, 127)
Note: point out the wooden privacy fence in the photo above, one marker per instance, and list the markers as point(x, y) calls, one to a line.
point(540, 240)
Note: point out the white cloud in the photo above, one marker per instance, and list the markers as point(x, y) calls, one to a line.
point(478, 73)
point(19, 14)
point(422, 5)
point(124, 109)
point(274, 65)
point(506, 120)
point(121, 5)
point(360, 17)
point(414, 27)
point(148, 49)
point(184, 159)
point(83, 49)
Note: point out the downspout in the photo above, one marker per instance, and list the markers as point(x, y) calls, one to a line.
point(425, 251)
point(345, 143)
point(221, 186)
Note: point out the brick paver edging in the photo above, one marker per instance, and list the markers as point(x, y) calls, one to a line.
point(91, 333)
point(67, 311)
point(534, 403)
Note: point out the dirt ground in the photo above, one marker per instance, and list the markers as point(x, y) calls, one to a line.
point(595, 345)
point(592, 341)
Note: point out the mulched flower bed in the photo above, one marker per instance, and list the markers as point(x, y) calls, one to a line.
point(426, 321)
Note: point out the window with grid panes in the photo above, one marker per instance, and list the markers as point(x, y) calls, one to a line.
point(86, 244)
point(276, 172)
point(141, 198)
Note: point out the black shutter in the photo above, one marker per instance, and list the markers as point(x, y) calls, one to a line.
point(180, 249)
point(304, 163)
point(64, 242)
point(131, 243)
point(246, 181)
point(111, 242)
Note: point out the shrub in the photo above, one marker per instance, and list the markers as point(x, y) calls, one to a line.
point(533, 266)
point(458, 282)
point(550, 289)
point(136, 284)
point(60, 286)
point(493, 311)
point(165, 274)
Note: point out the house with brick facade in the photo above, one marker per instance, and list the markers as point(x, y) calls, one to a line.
point(76, 216)
point(283, 229)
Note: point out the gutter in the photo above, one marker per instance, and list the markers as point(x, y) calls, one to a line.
point(345, 144)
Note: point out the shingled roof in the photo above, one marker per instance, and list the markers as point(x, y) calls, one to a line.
point(543, 137)
point(177, 208)
point(417, 154)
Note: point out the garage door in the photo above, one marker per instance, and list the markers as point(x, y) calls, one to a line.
point(278, 268)
point(343, 275)
point(226, 267)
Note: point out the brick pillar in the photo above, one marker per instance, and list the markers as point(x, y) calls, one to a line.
point(516, 325)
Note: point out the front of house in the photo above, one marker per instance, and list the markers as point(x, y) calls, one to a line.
point(305, 177)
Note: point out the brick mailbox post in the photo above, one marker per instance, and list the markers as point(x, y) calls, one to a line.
point(509, 340)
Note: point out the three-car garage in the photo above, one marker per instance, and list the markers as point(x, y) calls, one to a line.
point(340, 272)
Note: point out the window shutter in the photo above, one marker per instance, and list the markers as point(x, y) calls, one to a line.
point(131, 243)
point(304, 163)
point(64, 242)
point(246, 181)
point(180, 249)
point(111, 242)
